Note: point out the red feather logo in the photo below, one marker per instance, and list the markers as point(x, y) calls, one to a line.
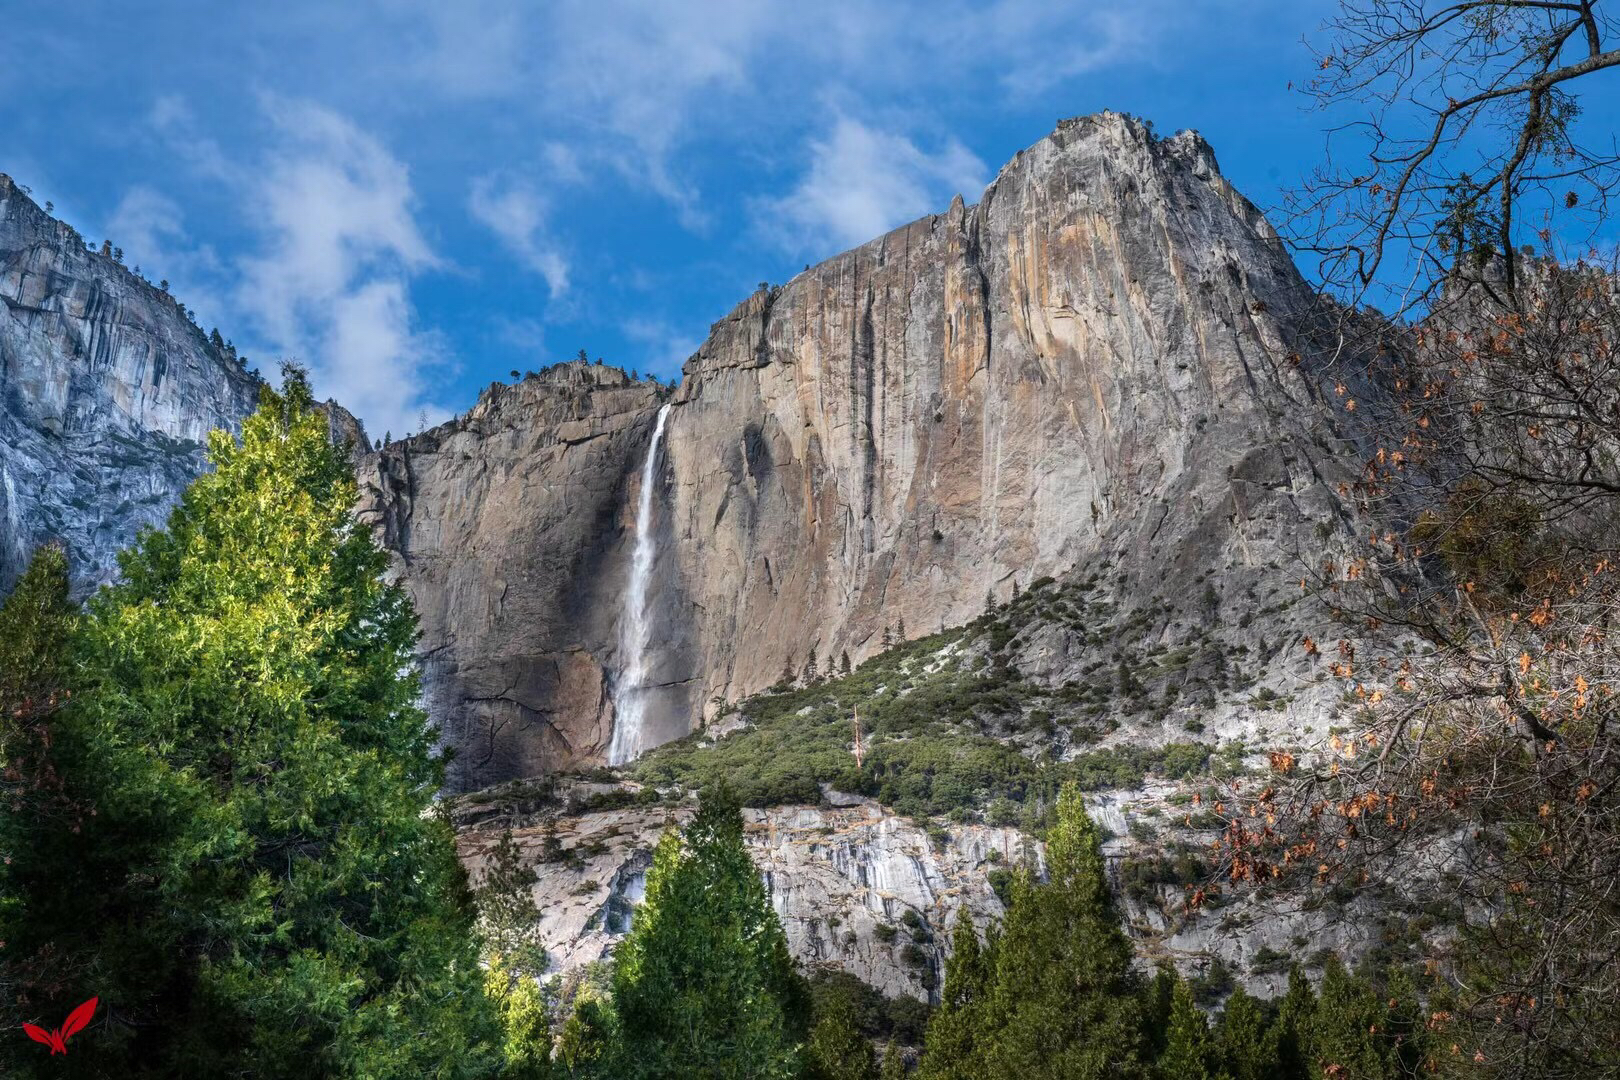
point(75, 1023)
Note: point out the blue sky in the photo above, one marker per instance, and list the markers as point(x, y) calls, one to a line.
point(417, 198)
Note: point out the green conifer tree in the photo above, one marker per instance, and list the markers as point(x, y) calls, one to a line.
point(261, 891)
point(952, 1048)
point(508, 915)
point(1247, 1047)
point(1293, 1032)
point(1188, 1047)
point(837, 1050)
point(704, 984)
point(1158, 1000)
point(1064, 1002)
point(894, 1063)
point(1351, 1032)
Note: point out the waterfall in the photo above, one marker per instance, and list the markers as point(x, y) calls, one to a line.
point(629, 704)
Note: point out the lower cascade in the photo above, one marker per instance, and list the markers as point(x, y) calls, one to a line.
point(635, 626)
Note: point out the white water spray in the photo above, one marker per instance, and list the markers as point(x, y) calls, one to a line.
point(635, 625)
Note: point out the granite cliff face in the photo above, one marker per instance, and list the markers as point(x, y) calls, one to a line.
point(107, 391)
point(510, 526)
point(1097, 360)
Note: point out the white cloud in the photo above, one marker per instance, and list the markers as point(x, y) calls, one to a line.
point(516, 213)
point(150, 227)
point(863, 182)
point(331, 285)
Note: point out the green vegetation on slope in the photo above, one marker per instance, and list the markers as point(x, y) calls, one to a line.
point(948, 723)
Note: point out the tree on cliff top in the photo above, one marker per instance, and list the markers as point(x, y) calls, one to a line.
point(260, 890)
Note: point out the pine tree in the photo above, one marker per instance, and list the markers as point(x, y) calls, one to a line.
point(1064, 1002)
point(704, 984)
point(900, 630)
point(1158, 1001)
point(894, 1063)
point(837, 1050)
point(953, 1047)
point(1187, 1048)
point(508, 915)
point(262, 890)
point(843, 662)
point(810, 671)
point(37, 622)
point(888, 638)
point(1351, 1028)
point(1293, 1030)
point(520, 1005)
point(587, 1039)
point(989, 601)
point(1247, 1049)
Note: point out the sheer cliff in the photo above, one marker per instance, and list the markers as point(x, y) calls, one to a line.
point(1099, 360)
point(107, 391)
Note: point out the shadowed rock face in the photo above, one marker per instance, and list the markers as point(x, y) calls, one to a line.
point(1096, 360)
point(512, 526)
point(107, 391)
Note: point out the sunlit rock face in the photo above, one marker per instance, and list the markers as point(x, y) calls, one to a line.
point(1097, 361)
point(107, 391)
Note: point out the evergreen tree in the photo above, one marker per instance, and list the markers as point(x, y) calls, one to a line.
point(1293, 1030)
point(36, 627)
point(520, 1005)
point(1062, 1000)
point(894, 1063)
point(1187, 1049)
point(261, 890)
point(1247, 1048)
point(508, 915)
point(589, 1035)
point(810, 669)
point(704, 984)
point(36, 631)
point(900, 630)
point(843, 662)
point(837, 1049)
point(888, 637)
point(1351, 1028)
point(1158, 1002)
point(953, 1046)
point(583, 357)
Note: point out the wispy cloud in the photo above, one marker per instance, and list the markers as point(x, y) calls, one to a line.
point(150, 227)
point(338, 245)
point(863, 181)
point(341, 244)
point(516, 213)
